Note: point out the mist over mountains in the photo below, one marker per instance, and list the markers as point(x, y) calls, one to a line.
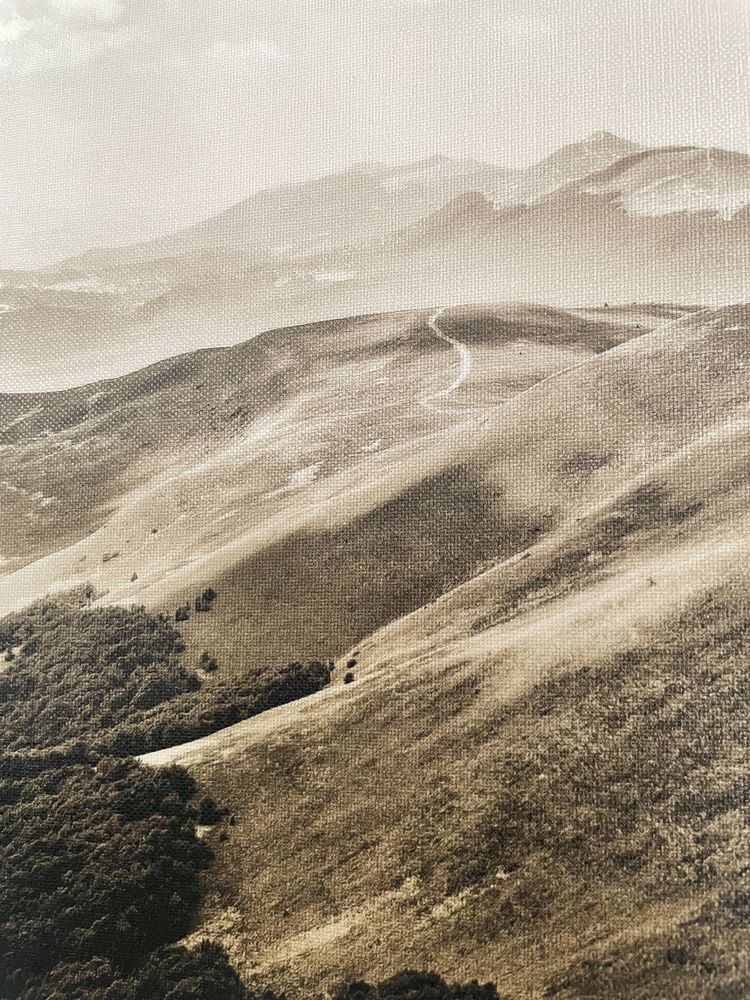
point(602, 220)
point(405, 510)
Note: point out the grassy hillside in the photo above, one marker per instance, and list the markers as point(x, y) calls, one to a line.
point(317, 449)
point(538, 776)
point(524, 532)
point(587, 838)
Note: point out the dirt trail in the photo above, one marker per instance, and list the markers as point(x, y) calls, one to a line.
point(464, 354)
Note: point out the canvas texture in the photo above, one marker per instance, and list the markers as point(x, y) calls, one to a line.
point(374, 500)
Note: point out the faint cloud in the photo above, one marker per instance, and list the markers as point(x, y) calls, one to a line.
point(100, 11)
point(229, 56)
point(36, 34)
point(12, 30)
point(252, 50)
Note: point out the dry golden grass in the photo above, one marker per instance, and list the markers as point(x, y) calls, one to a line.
point(539, 777)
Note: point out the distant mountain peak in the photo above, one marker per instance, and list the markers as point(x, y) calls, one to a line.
point(607, 137)
point(467, 213)
point(676, 179)
point(598, 143)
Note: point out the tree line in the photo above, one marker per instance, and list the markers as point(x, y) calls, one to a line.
point(102, 866)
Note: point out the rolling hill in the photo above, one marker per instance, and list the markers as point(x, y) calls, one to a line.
point(538, 775)
point(304, 448)
point(522, 534)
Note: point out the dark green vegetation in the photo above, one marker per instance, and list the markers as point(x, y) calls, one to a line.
point(101, 873)
point(102, 867)
point(411, 985)
point(113, 678)
point(169, 973)
point(101, 863)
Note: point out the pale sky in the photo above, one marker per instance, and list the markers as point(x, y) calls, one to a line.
point(124, 118)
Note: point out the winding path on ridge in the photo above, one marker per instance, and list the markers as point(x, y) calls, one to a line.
point(464, 355)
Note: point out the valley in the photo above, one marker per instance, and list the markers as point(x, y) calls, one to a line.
point(520, 534)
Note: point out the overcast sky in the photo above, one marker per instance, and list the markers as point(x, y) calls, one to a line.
point(121, 118)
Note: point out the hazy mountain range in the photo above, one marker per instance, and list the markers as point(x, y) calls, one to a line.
point(601, 220)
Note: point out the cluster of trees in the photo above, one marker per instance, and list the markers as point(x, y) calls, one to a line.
point(223, 703)
point(413, 985)
point(100, 863)
point(168, 973)
point(203, 602)
point(204, 973)
point(77, 671)
point(101, 875)
point(114, 678)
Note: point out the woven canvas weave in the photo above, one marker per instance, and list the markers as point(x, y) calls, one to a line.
point(374, 500)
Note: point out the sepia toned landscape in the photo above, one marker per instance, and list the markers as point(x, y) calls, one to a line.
point(375, 546)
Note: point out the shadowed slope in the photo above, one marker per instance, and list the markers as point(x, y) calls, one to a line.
point(315, 449)
point(538, 776)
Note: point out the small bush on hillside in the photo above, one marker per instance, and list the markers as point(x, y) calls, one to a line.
point(208, 663)
point(205, 600)
point(209, 813)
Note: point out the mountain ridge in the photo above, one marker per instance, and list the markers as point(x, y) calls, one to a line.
point(664, 224)
point(610, 147)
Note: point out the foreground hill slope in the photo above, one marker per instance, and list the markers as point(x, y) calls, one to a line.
point(538, 776)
